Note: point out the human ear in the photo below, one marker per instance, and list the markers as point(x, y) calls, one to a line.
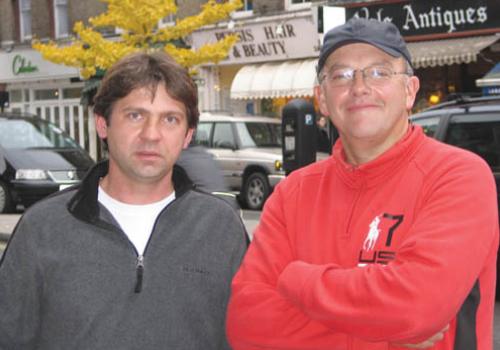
point(319, 94)
point(187, 139)
point(412, 87)
point(101, 126)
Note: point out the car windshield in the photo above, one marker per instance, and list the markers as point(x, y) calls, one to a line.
point(254, 134)
point(18, 133)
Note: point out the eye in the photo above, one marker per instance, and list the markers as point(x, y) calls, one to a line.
point(171, 119)
point(341, 75)
point(379, 72)
point(134, 116)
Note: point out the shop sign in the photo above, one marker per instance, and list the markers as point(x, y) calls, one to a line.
point(22, 65)
point(267, 41)
point(492, 90)
point(26, 65)
point(436, 18)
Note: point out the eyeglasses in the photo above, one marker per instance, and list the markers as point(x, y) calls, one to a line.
point(371, 76)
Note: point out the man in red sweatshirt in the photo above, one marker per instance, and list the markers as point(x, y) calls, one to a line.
point(390, 243)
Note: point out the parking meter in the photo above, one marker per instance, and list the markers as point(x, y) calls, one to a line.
point(298, 135)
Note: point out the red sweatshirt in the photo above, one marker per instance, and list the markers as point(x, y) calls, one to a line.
point(362, 258)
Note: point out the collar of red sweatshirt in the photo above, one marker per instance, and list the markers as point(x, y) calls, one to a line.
point(374, 172)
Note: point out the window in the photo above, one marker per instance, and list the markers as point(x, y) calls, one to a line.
point(25, 19)
point(243, 11)
point(168, 20)
point(223, 136)
point(294, 4)
point(72, 93)
point(47, 94)
point(61, 18)
point(429, 125)
point(259, 134)
point(247, 5)
point(480, 135)
point(202, 136)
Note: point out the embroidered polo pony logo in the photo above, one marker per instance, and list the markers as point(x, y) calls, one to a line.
point(373, 233)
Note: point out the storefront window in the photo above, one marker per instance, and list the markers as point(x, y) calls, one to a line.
point(48, 94)
point(72, 93)
point(15, 96)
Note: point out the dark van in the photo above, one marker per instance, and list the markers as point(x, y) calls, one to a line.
point(37, 158)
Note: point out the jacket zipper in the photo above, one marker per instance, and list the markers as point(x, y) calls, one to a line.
point(139, 265)
point(139, 273)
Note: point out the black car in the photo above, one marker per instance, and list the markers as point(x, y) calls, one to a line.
point(36, 159)
point(472, 124)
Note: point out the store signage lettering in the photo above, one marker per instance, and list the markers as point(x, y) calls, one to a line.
point(274, 44)
point(448, 19)
point(21, 65)
point(266, 41)
point(424, 17)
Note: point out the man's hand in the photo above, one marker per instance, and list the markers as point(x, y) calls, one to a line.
point(429, 342)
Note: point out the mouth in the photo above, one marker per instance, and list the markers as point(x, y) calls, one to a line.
point(147, 155)
point(361, 106)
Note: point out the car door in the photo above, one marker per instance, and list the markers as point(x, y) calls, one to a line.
point(479, 133)
point(224, 148)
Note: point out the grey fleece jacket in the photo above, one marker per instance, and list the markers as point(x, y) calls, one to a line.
point(70, 278)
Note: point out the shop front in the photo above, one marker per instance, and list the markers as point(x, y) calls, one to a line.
point(452, 42)
point(273, 62)
point(490, 83)
point(50, 91)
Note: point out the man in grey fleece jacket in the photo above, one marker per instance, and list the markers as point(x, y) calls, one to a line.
point(135, 257)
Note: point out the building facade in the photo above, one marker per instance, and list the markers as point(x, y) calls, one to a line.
point(35, 85)
point(273, 62)
point(453, 43)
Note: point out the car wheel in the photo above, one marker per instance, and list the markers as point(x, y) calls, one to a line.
point(5, 199)
point(256, 191)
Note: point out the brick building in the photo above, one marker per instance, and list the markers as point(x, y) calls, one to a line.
point(279, 42)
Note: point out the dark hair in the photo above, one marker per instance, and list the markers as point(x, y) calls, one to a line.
point(139, 70)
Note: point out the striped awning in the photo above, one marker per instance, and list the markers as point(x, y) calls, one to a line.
point(448, 51)
point(270, 80)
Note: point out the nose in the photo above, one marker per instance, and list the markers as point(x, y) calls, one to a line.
point(359, 85)
point(150, 130)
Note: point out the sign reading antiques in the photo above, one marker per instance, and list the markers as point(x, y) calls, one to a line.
point(426, 17)
point(267, 41)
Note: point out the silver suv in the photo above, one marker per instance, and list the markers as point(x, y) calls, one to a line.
point(248, 150)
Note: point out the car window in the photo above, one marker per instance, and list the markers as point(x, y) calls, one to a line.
point(479, 135)
point(259, 134)
point(16, 133)
point(223, 136)
point(429, 125)
point(202, 136)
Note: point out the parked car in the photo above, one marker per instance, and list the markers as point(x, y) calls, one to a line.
point(248, 150)
point(472, 124)
point(36, 159)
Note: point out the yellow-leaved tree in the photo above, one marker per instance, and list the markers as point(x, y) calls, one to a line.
point(138, 20)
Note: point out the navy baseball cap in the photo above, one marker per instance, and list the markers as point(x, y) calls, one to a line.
point(383, 35)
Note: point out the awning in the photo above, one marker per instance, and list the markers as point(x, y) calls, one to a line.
point(270, 80)
point(448, 51)
point(492, 78)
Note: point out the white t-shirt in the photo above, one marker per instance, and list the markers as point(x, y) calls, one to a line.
point(136, 221)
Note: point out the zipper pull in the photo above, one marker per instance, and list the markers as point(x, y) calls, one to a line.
point(140, 271)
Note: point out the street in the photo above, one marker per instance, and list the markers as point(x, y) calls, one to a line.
point(250, 218)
